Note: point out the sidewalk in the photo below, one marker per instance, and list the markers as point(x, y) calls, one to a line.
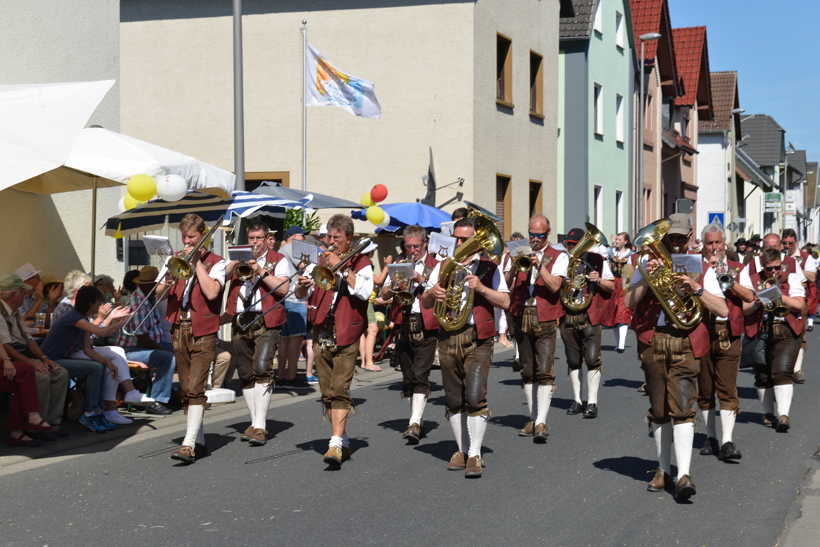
point(802, 526)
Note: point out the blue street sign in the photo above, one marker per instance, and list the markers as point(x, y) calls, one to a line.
point(716, 216)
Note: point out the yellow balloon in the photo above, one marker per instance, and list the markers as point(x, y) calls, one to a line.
point(142, 187)
point(366, 200)
point(375, 214)
point(129, 202)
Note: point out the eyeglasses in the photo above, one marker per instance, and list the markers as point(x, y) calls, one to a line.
point(788, 243)
point(406, 246)
point(462, 239)
point(261, 238)
point(677, 237)
point(538, 236)
point(773, 268)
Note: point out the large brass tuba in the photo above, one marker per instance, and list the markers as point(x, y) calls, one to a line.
point(451, 314)
point(684, 310)
point(573, 295)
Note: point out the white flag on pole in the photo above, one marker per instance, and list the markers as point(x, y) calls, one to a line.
point(327, 85)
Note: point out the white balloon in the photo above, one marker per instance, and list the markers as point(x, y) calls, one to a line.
point(121, 205)
point(384, 223)
point(172, 187)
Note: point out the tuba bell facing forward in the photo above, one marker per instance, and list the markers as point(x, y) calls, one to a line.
point(575, 294)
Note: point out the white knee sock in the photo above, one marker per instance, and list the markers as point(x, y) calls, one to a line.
point(684, 435)
point(476, 426)
point(575, 379)
point(617, 336)
point(455, 423)
point(663, 445)
point(593, 383)
point(811, 320)
point(727, 425)
point(335, 441)
point(783, 397)
point(417, 408)
point(529, 390)
point(196, 413)
point(250, 401)
point(766, 396)
point(543, 396)
point(622, 331)
point(709, 419)
point(200, 435)
point(798, 365)
point(516, 349)
point(263, 396)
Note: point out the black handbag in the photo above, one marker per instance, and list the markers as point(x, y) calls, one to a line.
point(753, 352)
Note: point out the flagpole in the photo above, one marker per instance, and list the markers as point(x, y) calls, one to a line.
point(304, 105)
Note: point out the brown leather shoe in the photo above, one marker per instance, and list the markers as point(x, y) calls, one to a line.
point(685, 488)
point(259, 437)
point(345, 453)
point(540, 434)
point(413, 434)
point(248, 433)
point(783, 424)
point(799, 377)
point(660, 482)
point(333, 456)
point(769, 419)
point(184, 453)
point(528, 429)
point(457, 462)
point(473, 467)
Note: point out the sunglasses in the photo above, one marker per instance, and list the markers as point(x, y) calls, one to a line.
point(538, 236)
point(773, 268)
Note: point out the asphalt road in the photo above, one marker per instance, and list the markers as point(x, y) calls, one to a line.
point(586, 486)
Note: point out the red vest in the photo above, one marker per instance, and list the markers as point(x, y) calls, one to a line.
point(796, 321)
point(645, 319)
point(547, 303)
point(599, 309)
point(273, 318)
point(736, 319)
point(204, 313)
point(397, 310)
point(483, 311)
point(350, 313)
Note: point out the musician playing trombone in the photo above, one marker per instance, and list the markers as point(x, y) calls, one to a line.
point(670, 356)
point(194, 308)
point(719, 367)
point(339, 318)
point(254, 347)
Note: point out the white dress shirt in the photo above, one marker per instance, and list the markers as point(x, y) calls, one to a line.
point(559, 267)
point(364, 283)
point(281, 269)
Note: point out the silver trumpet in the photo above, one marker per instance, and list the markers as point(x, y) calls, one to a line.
point(724, 276)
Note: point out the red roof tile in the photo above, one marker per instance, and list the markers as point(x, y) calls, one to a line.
point(724, 100)
point(646, 17)
point(692, 57)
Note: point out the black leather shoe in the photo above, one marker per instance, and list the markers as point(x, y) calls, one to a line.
point(516, 365)
point(810, 328)
point(619, 350)
point(730, 452)
point(799, 377)
point(783, 424)
point(591, 411)
point(158, 408)
point(575, 408)
point(710, 447)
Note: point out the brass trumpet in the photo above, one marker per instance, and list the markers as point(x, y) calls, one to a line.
point(325, 278)
point(522, 263)
point(776, 306)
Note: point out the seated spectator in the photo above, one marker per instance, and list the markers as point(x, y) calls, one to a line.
point(147, 345)
point(111, 295)
point(70, 337)
point(74, 280)
point(30, 277)
point(128, 286)
point(52, 380)
point(24, 412)
point(47, 295)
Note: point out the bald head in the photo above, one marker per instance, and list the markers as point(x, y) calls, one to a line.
point(772, 241)
point(539, 231)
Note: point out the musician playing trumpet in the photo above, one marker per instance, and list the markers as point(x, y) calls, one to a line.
point(194, 308)
point(465, 354)
point(670, 357)
point(417, 331)
point(719, 367)
point(254, 347)
point(775, 380)
point(339, 318)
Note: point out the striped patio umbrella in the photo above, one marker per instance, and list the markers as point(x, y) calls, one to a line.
point(152, 215)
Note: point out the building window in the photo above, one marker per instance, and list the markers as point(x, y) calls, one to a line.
point(647, 207)
point(619, 117)
point(619, 211)
point(503, 204)
point(536, 197)
point(503, 93)
point(599, 206)
point(619, 29)
point(536, 85)
point(254, 179)
point(598, 24)
point(598, 114)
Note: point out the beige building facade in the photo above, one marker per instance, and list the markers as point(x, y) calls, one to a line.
point(435, 67)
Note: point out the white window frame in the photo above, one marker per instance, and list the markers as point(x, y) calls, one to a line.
point(598, 24)
point(619, 211)
point(619, 29)
point(598, 198)
point(598, 108)
point(619, 118)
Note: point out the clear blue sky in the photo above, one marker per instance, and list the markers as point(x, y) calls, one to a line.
point(773, 45)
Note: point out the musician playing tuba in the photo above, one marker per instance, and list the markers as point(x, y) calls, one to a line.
point(254, 348)
point(668, 354)
point(465, 354)
point(775, 380)
point(416, 331)
point(535, 306)
point(719, 367)
point(581, 324)
point(339, 318)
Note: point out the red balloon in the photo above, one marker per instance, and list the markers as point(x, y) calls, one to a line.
point(378, 193)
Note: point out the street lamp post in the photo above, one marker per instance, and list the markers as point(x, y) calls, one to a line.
point(650, 36)
point(732, 190)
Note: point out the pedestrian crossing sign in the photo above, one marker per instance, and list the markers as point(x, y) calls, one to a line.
point(716, 217)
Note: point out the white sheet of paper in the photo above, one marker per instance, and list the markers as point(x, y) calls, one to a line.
point(305, 252)
point(690, 265)
point(442, 245)
point(519, 247)
point(769, 295)
point(242, 253)
point(157, 246)
point(447, 228)
point(396, 270)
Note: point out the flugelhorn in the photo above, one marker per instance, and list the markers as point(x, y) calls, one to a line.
point(573, 293)
point(178, 267)
point(325, 278)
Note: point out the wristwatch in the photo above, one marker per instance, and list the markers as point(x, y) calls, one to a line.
point(345, 274)
point(698, 292)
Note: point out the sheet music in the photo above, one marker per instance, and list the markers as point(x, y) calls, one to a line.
point(442, 245)
point(690, 265)
point(447, 228)
point(303, 248)
point(157, 245)
point(242, 253)
point(519, 247)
